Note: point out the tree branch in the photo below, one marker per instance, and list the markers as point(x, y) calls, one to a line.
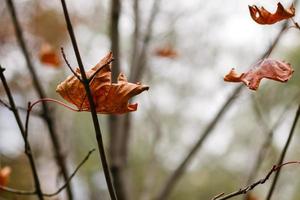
point(248, 188)
point(68, 64)
point(283, 153)
point(269, 136)
point(23, 192)
point(91, 103)
point(28, 151)
point(36, 82)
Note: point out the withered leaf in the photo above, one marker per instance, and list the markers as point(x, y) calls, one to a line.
point(266, 68)
point(250, 196)
point(49, 56)
point(262, 16)
point(166, 52)
point(109, 98)
point(4, 175)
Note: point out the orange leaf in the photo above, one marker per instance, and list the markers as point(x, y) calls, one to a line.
point(167, 52)
point(262, 16)
point(267, 68)
point(49, 56)
point(109, 98)
point(4, 175)
point(250, 196)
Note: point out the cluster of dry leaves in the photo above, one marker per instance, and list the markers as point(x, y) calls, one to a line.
point(266, 68)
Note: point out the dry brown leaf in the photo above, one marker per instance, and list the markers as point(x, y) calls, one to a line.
point(250, 196)
point(166, 52)
point(49, 56)
point(267, 68)
point(4, 175)
point(262, 16)
point(109, 98)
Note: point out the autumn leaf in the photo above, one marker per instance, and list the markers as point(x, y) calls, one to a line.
point(251, 197)
point(109, 98)
point(166, 52)
point(4, 175)
point(262, 16)
point(266, 68)
point(49, 56)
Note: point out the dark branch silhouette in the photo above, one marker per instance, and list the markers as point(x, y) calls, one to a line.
point(28, 151)
point(248, 188)
point(46, 113)
point(23, 192)
point(85, 82)
point(283, 153)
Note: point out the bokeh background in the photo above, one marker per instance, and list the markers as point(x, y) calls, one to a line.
point(187, 90)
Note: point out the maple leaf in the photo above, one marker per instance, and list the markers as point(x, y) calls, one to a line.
point(262, 16)
point(49, 56)
point(167, 52)
point(109, 98)
point(266, 68)
point(4, 175)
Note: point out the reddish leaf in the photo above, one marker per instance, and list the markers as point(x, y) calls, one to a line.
point(4, 175)
point(250, 196)
point(109, 98)
point(262, 16)
point(267, 68)
point(167, 52)
point(49, 56)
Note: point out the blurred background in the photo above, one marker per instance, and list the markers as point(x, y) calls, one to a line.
point(182, 50)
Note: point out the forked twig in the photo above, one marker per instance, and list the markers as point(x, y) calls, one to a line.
point(46, 114)
point(283, 153)
point(23, 192)
point(28, 151)
point(68, 64)
point(250, 187)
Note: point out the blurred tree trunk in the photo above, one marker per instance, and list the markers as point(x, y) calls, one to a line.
point(120, 126)
point(118, 160)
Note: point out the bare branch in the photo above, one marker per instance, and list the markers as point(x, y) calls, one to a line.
point(23, 192)
point(28, 151)
point(139, 67)
point(68, 64)
point(269, 136)
point(47, 117)
point(248, 188)
point(85, 82)
point(283, 153)
point(5, 105)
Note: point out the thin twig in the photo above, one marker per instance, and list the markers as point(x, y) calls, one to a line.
point(269, 136)
point(46, 114)
point(283, 153)
point(250, 187)
point(90, 79)
point(23, 192)
point(68, 64)
point(91, 103)
point(138, 68)
point(179, 171)
point(71, 176)
point(28, 151)
point(5, 105)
